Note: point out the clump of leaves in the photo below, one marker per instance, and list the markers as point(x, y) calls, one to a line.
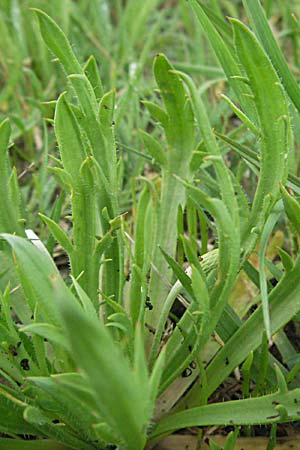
point(102, 359)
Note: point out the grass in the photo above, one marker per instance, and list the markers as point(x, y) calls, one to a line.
point(175, 212)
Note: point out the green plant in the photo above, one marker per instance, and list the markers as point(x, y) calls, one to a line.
point(89, 361)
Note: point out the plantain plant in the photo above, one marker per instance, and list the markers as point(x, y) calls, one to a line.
point(104, 357)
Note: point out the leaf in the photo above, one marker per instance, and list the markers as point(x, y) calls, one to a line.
point(179, 131)
point(201, 294)
point(140, 367)
point(286, 259)
point(41, 276)
point(231, 440)
point(171, 88)
point(180, 123)
point(58, 234)
point(69, 138)
point(281, 381)
point(57, 42)
point(245, 370)
point(284, 302)
point(228, 242)
point(156, 376)
point(86, 302)
point(179, 272)
point(63, 178)
point(158, 113)
point(103, 244)
point(122, 321)
point(253, 157)
point(243, 117)
point(154, 148)
point(47, 331)
point(11, 411)
point(105, 433)
point(38, 271)
point(264, 33)
point(34, 416)
point(270, 223)
point(72, 402)
point(45, 444)
point(91, 71)
point(227, 60)
point(8, 217)
point(212, 148)
point(274, 123)
point(237, 412)
point(213, 445)
point(85, 93)
point(141, 263)
point(117, 397)
point(292, 208)
point(106, 109)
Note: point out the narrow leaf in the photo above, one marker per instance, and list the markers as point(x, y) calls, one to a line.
point(292, 208)
point(57, 42)
point(154, 148)
point(58, 234)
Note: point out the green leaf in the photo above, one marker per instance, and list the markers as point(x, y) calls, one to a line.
point(107, 108)
point(242, 116)
point(270, 223)
point(11, 410)
point(264, 33)
point(238, 412)
point(140, 265)
point(286, 260)
point(86, 302)
point(58, 234)
point(273, 113)
point(57, 42)
point(154, 148)
point(171, 88)
point(71, 402)
point(62, 177)
point(231, 440)
point(212, 148)
point(281, 381)
point(284, 302)
point(47, 331)
point(20, 444)
point(41, 276)
point(105, 433)
point(140, 366)
point(201, 294)
point(180, 127)
point(227, 60)
point(69, 138)
point(179, 272)
point(8, 216)
point(156, 376)
point(158, 113)
point(85, 93)
point(38, 272)
point(213, 445)
point(292, 208)
point(91, 71)
point(115, 387)
point(245, 370)
point(34, 416)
